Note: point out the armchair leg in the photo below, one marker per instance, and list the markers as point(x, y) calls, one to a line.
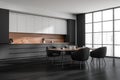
point(80, 64)
point(104, 61)
point(87, 64)
point(99, 63)
point(92, 61)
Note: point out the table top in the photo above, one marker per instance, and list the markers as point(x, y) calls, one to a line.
point(67, 49)
point(64, 49)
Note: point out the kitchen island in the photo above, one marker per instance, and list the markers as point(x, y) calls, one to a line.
point(17, 51)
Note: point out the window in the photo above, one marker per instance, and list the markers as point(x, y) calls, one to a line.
point(97, 27)
point(88, 27)
point(97, 46)
point(97, 16)
point(103, 29)
point(108, 15)
point(117, 13)
point(108, 38)
point(97, 38)
point(88, 38)
point(99, 30)
point(117, 25)
point(117, 50)
point(108, 26)
point(117, 37)
point(117, 32)
point(88, 18)
point(109, 50)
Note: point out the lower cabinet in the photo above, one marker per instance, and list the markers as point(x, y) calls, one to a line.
point(17, 51)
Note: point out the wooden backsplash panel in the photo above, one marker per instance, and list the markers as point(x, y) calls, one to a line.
point(31, 38)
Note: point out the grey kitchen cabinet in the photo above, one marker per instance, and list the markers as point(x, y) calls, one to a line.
point(30, 50)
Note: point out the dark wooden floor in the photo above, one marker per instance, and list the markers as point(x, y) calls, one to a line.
point(40, 71)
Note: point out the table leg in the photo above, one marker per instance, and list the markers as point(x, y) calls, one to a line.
point(62, 63)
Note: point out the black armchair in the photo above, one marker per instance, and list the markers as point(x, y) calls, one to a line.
point(98, 53)
point(51, 53)
point(81, 55)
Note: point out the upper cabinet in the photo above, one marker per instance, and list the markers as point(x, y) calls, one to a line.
point(36, 24)
point(13, 22)
point(45, 27)
point(21, 23)
point(60, 27)
point(30, 24)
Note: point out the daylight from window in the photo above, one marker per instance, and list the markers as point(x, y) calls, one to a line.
point(102, 28)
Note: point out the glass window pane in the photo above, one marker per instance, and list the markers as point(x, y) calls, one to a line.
point(97, 16)
point(117, 38)
point(88, 18)
point(117, 13)
point(97, 27)
point(97, 38)
point(109, 50)
point(88, 27)
point(107, 15)
point(108, 38)
point(97, 46)
point(90, 46)
point(117, 51)
point(117, 25)
point(108, 26)
point(88, 38)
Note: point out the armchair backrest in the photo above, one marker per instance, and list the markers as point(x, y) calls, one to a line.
point(81, 55)
point(99, 52)
point(51, 53)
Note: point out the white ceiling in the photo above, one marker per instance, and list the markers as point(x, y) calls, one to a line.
point(67, 6)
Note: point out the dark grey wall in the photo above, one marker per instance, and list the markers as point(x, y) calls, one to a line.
point(4, 51)
point(71, 31)
point(4, 26)
point(81, 30)
point(4, 33)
